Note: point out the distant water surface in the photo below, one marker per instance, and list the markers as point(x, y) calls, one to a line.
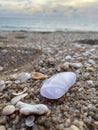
point(48, 24)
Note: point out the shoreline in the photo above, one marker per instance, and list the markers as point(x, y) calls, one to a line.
point(72, 31)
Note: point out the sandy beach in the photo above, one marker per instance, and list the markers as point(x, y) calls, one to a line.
point(50, 53)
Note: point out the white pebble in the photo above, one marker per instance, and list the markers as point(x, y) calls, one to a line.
point(77, 65)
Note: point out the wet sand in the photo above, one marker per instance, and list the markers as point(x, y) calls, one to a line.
point(49, 53)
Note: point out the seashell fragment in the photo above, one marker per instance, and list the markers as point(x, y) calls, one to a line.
point(28, 109)
point(17, 98)
point(16, 94)
point(24, 77)
point(58, 85)
point(8, 110)
point(37, 75)
point(29, 121)
point(2, 85)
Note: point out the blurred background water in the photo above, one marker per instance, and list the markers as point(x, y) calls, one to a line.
point(48, 24)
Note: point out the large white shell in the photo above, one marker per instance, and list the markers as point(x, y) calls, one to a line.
point(58, 85)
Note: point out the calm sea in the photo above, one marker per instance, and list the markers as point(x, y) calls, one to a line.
point(48, 24)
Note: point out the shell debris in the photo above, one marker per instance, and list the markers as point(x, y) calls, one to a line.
point(18, 98)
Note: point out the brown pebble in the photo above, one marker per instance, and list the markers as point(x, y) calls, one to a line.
point(13, 116)
point(73, 127)
point(90, 69)
point(2, 127)
point(63, 67)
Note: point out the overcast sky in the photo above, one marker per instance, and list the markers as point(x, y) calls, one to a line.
point(87, 8)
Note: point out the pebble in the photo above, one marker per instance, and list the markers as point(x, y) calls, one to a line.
point(1, 68)
point(86, 53)
point(91, 62)
point(2, 85)
point(2, 120)
point(90, 82)
point(28, 109)
point(73, 127)
point(2, 127)
point(68, 57)
point(77, 65)
point(8, 110)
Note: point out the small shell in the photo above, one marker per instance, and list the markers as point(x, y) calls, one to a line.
point(18, 98)
point(24, 77)
point(58, 85)
point(29, 121)
point(8, 110)
point(28, 109)
point(2, 85)
point(37, 75)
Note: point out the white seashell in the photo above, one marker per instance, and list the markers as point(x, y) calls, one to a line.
point(28, 109)
point(24, 77)
point(2, 85)
point(8, 110)
point(29, 121)
point(18, 98)
point(58, 85)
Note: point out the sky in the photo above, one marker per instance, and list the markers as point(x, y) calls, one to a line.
point(68, 8)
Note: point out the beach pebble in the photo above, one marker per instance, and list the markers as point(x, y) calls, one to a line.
point(91, 62)
point(73, 127)
point(90, 69)
point(77, 65)
point(2, 85)
point(1, 68)
point(4, 51)
point(68, 57)
point(2, 127)
point(86, 53)
point(2, 120)
point(90, 82)
point(65, 66)
point(13, 76)
point(28, 109)
point(29, 121)
point(8, 110)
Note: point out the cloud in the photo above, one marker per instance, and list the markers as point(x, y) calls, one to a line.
point(64, 7)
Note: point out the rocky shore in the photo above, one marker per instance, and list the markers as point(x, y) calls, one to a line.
point(49, 53)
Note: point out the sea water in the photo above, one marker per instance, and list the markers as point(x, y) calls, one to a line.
point(48, 24)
